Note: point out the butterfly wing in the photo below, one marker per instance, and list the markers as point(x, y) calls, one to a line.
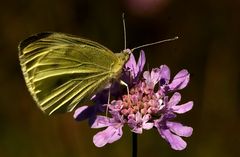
point(62, 70)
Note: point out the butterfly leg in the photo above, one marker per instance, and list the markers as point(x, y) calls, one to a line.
point(108, 102)
point(126, 85)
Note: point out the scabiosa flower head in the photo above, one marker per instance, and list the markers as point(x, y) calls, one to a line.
point(146, 106)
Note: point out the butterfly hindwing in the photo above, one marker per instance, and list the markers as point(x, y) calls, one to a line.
point(62, 70)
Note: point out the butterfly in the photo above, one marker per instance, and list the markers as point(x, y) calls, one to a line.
point(62, 71)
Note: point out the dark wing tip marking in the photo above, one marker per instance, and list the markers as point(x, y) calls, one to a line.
point(32, 39)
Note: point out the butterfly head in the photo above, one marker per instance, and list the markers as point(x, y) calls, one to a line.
point(127, 51)
point(125, 55)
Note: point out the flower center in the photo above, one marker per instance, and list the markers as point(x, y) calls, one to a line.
point(141, 99)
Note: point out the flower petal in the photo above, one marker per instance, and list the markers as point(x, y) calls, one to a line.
point(164, 74)
point(179, 129)
point(132, 70)
point(176, 142)
point(146, 118)
point(147, 126)
point(183, 108)
point(155, 75)
point(101, 121)
point(141, 61)
point(146, 76)
point(135, 123)
point(167, 116)
point(116, 105)
point(138, 117)
point(175, 99)
point(84, 112)
point(109, 135)
point(180, 81)
point(132, 66)
point(137, 130)
point(117, 135)
point(152, 78)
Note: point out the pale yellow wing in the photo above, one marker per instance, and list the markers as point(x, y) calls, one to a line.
point(62, 70)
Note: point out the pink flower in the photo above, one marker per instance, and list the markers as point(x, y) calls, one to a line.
point(147, 106)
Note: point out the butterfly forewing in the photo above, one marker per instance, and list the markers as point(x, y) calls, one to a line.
point(62, 70)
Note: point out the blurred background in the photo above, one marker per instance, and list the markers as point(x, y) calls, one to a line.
point(208, 47)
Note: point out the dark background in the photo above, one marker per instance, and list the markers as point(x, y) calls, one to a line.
point(208, 47)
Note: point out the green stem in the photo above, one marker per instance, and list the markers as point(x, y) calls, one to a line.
point(134, 144)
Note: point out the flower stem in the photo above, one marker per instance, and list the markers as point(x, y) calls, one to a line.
point(134, 144)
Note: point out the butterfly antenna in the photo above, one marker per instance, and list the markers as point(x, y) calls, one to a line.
point(124, 31)
point(154, 43)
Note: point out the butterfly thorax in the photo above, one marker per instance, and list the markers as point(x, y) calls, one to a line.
point(118, 66)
